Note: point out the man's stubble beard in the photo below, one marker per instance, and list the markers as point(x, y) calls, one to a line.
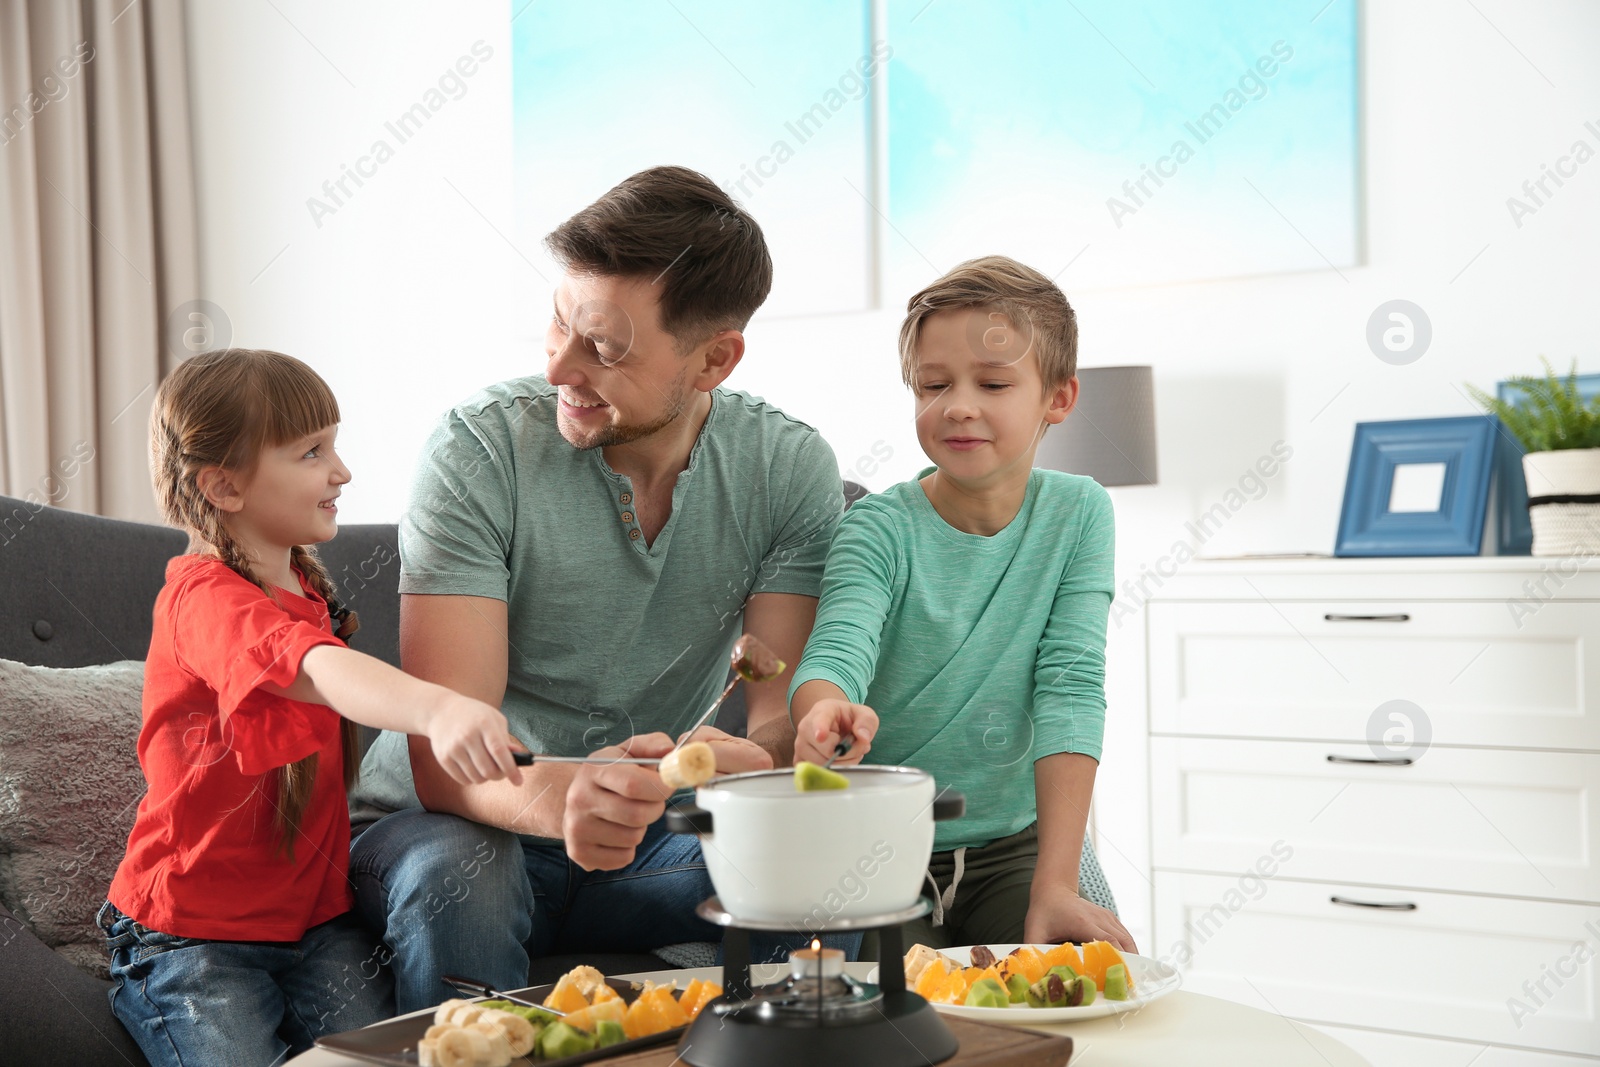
point(622, 435)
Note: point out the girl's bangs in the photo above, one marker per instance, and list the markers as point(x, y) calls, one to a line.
point(298, 403)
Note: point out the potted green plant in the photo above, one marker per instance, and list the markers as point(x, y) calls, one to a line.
point(1560, 435)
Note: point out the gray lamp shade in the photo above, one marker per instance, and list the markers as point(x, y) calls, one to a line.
point(1111, 434)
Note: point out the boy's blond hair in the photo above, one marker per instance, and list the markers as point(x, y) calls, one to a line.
point(1030, 300)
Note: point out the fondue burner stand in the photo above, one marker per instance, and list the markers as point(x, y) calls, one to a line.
point(818, 1014)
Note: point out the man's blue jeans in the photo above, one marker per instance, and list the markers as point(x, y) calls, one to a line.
point(452, 896)
point(189, 1002)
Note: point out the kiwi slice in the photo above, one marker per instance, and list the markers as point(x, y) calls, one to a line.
point(810, 778)
point(987, 993)
point(1116, 982)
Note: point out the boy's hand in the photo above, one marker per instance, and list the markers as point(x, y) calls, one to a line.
point(735, 755)
point(471, 741)
point(1056, 913)
point(828, 720)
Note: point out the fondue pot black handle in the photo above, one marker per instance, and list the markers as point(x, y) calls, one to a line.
point(688, 820)
point(948, 805)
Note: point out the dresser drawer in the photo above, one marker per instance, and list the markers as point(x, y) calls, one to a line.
point(1452, 967)
point(1480, 673)
point(1465, 820)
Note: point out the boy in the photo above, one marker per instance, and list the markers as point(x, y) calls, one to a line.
point(971, 606)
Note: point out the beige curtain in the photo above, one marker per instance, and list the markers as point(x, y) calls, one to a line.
point(98, 251)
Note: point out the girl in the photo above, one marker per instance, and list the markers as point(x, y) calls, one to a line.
point(229, 918)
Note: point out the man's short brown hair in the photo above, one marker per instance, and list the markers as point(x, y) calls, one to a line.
point(676, 227)
point(1030, 300)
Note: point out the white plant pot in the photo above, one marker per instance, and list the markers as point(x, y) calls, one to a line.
point(1564, 501)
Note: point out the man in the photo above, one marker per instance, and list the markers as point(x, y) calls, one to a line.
point(582, 549)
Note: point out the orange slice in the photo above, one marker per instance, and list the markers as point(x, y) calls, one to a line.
point(1026, 961)
point(566, 997)
point(588, 1019)
point(931, 979)
point(1063, 954)
point(1097, 956)
point(703, 995)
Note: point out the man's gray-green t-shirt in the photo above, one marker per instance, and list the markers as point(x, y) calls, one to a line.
point(609, 637)
point(979, 654)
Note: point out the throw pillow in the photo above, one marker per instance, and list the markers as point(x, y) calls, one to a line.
point(69, 784)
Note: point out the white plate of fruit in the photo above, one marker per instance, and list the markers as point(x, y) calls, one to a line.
point(1026, 984)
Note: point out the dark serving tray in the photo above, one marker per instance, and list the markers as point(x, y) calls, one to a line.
point(395, 1042)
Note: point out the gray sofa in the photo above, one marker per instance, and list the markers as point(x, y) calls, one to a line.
point(77, 591)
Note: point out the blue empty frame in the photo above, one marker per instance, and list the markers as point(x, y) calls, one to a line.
point(1367, 526)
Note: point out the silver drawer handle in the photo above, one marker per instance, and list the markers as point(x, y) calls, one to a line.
point(1396, 617)
point(1382, 761)
point(1347, 902)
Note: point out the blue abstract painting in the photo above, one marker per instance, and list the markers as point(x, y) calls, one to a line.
point(1107, 143)
point(1123, 143)
point(772, 102)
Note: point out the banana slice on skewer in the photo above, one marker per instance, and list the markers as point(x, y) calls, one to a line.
point(688, 766)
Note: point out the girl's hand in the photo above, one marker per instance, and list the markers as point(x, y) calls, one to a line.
point(471, 741)
point(828, 720)
point(1056, 913)
point(735, 755)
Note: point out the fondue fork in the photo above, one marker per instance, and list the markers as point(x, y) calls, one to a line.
point(528, 759)
point(743, 661)
point(474, 988)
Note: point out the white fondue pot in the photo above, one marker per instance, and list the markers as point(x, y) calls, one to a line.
point(779, 855)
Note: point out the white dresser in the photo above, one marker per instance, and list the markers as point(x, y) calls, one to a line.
point(1315, 851)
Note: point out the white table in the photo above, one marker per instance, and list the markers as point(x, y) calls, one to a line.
point(1180, 1028)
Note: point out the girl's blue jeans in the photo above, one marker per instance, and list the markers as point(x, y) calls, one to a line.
point(189, 1002)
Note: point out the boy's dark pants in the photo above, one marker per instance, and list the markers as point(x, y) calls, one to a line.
point(991, 900)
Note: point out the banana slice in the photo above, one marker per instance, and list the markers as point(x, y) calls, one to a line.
point(480, 1045)
point(464, 1015)
point(688, 766)
point(441, 1014)
point(450, 1049)
point(520, 1033)
point(499, 1047)
point(917, 960)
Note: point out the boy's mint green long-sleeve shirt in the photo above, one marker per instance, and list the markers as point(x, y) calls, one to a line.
point(979, 654)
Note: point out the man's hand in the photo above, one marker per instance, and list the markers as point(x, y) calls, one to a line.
point(828, 721)
point(735, 755)
point(610, 805)
point(1056, 913)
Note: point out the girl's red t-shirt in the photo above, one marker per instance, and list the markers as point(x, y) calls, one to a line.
point(204, 858)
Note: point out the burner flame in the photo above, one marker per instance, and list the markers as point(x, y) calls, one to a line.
point(816, 944)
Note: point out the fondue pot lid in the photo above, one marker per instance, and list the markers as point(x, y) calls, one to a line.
point(780, 783)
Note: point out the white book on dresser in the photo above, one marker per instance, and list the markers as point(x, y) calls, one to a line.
point(1375, 799)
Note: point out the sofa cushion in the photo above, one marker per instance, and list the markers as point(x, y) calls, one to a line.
point(69, 784)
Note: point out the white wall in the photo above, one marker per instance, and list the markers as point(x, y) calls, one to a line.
point(411, 296)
